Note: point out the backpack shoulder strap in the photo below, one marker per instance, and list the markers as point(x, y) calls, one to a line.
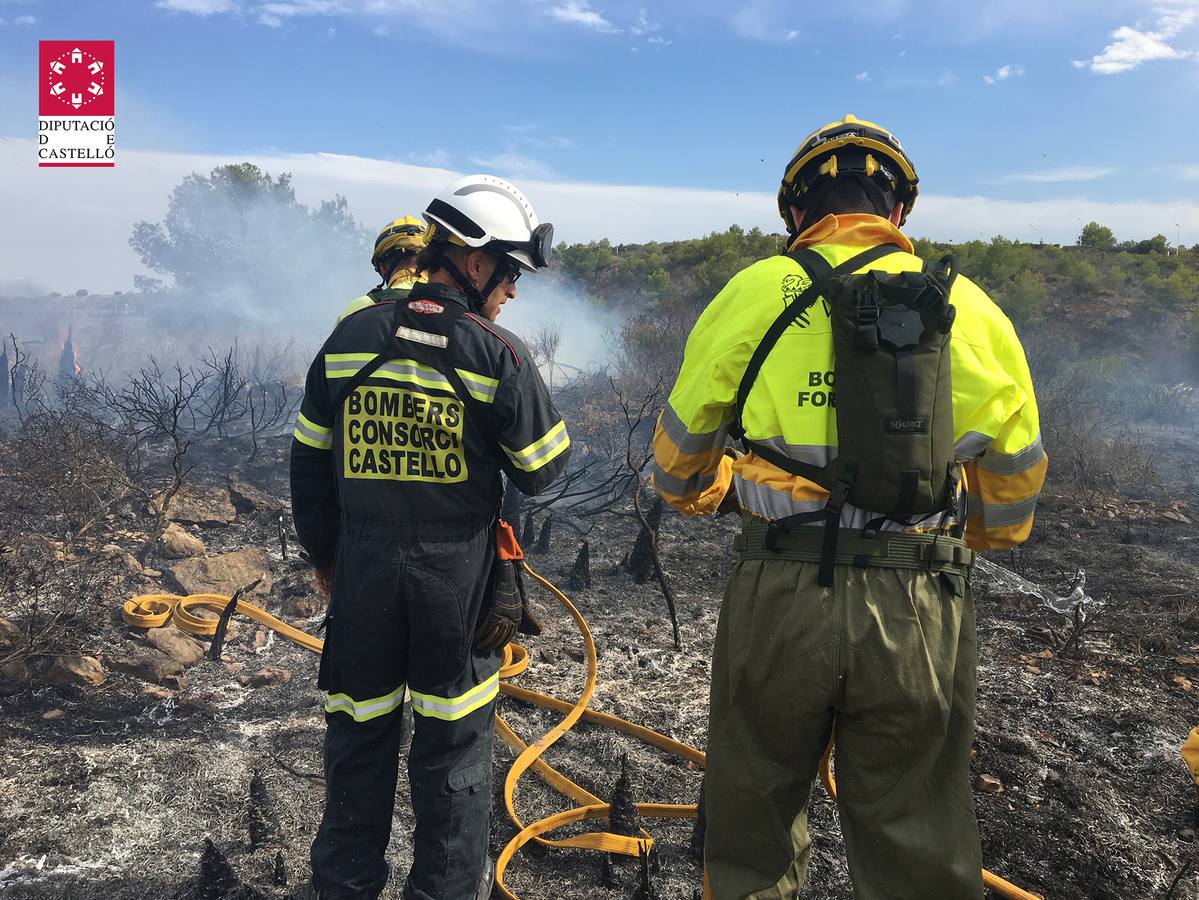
point(821, 274)
point(393, 350)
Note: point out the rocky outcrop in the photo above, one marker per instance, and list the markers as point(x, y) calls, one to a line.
point(78, 670)
point(179, 544)
point(224, 573)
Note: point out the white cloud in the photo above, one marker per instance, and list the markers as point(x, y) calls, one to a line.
point(273, 14)
point(579, 12)
point(1054, 176)
point(1003, 73)
point(792, 35)
point(1132, 46)
point(24, 20)
point(660, 41)
point(514, 165)
point(381, 31)
point(2, 23)
point(862, 76)
point(643, 25)
point(112, 200)
point(198, 7)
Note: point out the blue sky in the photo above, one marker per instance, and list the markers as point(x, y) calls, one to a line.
point(1016, 102)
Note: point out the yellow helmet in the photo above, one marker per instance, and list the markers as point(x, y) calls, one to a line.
point(406, 235)
point(850, 147)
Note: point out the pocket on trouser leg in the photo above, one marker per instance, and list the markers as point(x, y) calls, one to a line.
point(470, 818)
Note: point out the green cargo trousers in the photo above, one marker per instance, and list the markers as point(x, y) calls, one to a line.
point(887, 656)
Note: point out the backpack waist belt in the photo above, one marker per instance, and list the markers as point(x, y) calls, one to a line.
point(891, 550)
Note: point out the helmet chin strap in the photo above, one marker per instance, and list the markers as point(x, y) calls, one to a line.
point(476, 298)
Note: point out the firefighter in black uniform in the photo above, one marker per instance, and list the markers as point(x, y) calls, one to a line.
point(411, 411)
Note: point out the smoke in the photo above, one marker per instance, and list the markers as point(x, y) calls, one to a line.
point(587, 331)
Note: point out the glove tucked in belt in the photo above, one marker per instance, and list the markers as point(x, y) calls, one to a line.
point(509, 610)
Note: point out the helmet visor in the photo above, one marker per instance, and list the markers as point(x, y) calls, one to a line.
point(535, 253)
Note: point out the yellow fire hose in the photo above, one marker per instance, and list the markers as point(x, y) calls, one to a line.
point(155, 610)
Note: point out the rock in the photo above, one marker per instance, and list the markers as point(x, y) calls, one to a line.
point(53, 714)
point(203, 506)
point(10, 635)
point(247, 498)
point(175, 644)
point(123, 556)
point(224, 573)
point(548, 656)
point(158, 693)
point(302, 601)
point(1173, 517)
point(76, 670)
point(176, 682)
point(148, 664)
point(576, 653)
point(15, 671)
point(988, 784)
point(266, 676)
point(179, 544)
point(1187, 834)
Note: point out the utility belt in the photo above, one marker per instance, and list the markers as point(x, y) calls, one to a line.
point(937, 553)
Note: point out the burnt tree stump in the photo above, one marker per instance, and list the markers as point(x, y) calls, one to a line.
point(580, 575)
point(216, 875)
point(543, 537)
point(641, 560)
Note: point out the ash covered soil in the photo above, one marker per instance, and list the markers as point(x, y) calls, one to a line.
point(110, 790)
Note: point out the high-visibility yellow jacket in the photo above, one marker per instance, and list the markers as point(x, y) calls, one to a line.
point(402, 280)
point(792, 405)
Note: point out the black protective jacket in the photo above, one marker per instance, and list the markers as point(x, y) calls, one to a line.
point(455, 401)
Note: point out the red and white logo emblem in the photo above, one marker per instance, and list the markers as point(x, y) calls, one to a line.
point(428, 307)
point(76, 103)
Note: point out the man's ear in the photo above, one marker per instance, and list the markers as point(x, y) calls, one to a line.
point(797, 216)
point(896, 214)
point(474, 264)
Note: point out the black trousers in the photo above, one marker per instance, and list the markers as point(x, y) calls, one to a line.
point(404, 607)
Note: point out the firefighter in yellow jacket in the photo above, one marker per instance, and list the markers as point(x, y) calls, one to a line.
point(891, 430)
point(394, 259)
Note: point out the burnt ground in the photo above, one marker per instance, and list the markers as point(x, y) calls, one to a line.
point(109, 791)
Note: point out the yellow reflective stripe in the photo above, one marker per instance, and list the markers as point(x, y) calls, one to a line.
point(308, 432)
point(450, 708)
point(409, 371)
point(542, 450)
point(480, 387)
point(365, 710)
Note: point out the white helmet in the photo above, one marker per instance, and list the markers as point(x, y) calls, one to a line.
point(489, 213)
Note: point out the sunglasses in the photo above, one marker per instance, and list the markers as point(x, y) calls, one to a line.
point(512, 271)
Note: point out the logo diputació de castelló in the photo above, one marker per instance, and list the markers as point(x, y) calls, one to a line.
point(75, 104)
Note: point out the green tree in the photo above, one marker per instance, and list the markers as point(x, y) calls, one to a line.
point(239, 227)
point(1024, 299)
point(1097, 236)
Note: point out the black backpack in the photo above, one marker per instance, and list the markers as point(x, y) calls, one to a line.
point(894, 397)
